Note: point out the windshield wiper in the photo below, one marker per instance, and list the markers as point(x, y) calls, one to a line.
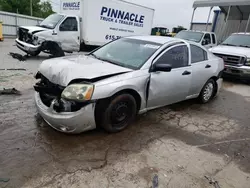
point(244, 46)
point(112, 62)
point(109, 61)
point(226, 44)
point(95, 56)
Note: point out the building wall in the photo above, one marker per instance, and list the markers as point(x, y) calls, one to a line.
point(223, 29)
point(201, 26)
point(12, 21)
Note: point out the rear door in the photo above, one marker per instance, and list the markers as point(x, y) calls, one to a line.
point(171, 87)
point(201, 69)
point(69, 34)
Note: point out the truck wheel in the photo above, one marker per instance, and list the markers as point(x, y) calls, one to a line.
point(35, 53)
point(53, 48)
point(120, 112)
point(57, 51)
point(208, 91)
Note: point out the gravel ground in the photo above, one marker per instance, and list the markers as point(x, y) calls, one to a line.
point(180, 144)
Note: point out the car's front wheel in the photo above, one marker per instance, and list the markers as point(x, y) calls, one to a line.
point(120, 112)
point(208, 91)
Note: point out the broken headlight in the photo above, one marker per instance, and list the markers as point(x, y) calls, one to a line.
point(78, 92)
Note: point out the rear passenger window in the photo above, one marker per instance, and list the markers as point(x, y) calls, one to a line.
point(213, 39)
point(197, 54)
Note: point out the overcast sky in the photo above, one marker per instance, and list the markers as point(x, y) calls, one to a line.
point(168, 13)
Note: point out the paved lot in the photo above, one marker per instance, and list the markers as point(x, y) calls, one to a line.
point(180, 144)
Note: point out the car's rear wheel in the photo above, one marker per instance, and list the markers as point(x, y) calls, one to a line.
point(208, 91)
point(120, 112)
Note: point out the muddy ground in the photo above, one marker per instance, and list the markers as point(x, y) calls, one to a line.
point(180, 144)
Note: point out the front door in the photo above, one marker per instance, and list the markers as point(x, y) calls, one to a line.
point(171, 87)
point(69, 34)
point(207, 41)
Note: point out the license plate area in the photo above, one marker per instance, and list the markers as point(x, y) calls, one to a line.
point(232, 71)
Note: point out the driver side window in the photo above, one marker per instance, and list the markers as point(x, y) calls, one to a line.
point(207, 38)
point(177, 57)
point(69, 24)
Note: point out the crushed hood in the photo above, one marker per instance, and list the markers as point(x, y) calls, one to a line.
point(231, 50)
point(33, 29)
point(62, 71)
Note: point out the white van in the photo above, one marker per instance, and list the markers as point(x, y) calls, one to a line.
point(86, 22)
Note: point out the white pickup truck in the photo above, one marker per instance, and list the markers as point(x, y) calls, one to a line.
point(235, 51)
point(85, 22)
point(204, 38)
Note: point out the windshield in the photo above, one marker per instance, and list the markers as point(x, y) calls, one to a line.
point(51, 21)
point(163, 30)
point(238, 40)
point(129, 53)
point(190, 35)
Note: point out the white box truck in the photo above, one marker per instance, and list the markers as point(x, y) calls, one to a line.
point(85, 22)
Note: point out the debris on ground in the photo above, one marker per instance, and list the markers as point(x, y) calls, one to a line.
point(239, 155)
point(18, 56)
point(12, 91)
point(5, 180)
point(155, 182)
point(212, 182)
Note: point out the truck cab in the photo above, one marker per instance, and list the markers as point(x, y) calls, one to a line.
point(235, 51)
point(58, 33)
point(160, 31)
point(204, 38)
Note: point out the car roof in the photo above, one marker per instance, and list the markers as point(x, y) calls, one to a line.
point(156, 39)
point(162, 39)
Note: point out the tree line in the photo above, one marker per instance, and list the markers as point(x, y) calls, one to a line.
point(40, 8)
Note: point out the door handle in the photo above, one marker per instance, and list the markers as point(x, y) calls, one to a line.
point(208, 66)
point(186, 73)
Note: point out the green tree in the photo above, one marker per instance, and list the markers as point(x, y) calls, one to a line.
point(45, 9)
point(40, 9)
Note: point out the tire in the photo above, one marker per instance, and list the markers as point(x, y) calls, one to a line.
point(53, 48)
point(120, 112)
point(208, 91)
point(35, 53)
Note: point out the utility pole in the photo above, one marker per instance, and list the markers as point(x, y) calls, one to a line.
point(31, 9)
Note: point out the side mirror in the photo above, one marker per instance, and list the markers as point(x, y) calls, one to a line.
point(161, 67)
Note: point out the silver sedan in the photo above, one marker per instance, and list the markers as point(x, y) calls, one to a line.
point(111, 85)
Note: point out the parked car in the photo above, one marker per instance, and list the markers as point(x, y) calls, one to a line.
point(85, 22)
point(111, 85)
point(235, 51)
point(204, 38)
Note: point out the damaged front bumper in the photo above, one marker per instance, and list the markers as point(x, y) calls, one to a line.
point(26, 47)
point(67, 122)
